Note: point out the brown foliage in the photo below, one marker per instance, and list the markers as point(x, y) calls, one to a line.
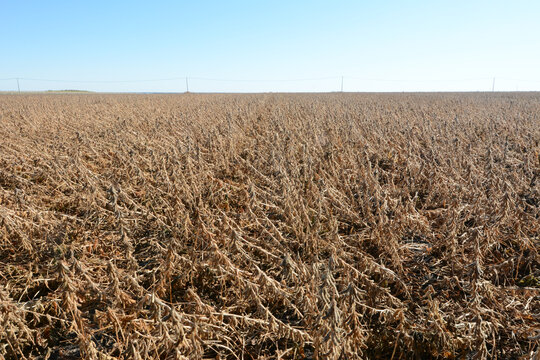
point(329, 226)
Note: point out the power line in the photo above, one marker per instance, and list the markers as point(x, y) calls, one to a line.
point(265, 80)
point(176, 78)
point(519, 80)
point(268, 81)
point(103, 81)
point(170, 79)
point(415, 81)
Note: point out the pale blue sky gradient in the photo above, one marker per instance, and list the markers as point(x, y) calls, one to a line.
point(376, 45)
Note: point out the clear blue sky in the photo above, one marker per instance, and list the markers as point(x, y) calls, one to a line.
point(403, 45)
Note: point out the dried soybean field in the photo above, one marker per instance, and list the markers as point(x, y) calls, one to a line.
point(270, 226)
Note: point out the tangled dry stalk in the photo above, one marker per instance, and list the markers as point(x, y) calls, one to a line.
point(330, 226)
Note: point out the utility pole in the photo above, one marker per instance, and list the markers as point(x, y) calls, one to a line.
point(342, 84)
point(18, 86)
point(493, 86)
point(187, 84)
